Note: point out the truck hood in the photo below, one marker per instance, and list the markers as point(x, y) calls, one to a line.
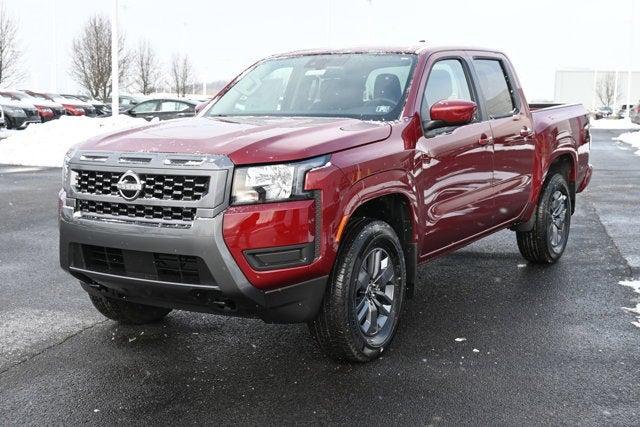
point(245, 140)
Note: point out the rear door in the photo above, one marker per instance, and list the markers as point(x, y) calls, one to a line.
point(513, 141)
point(457, 175)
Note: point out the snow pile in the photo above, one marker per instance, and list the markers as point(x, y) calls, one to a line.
point(631, 138)
point(635, 285)
point(613, 124)
point(46, 144)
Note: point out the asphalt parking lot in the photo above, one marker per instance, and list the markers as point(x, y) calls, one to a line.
point(488, 338)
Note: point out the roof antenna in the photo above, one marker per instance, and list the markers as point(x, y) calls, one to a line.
point(422, 41)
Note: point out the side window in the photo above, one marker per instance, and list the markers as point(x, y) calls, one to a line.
point(494, 83)
point(170, 106)
point(145, 107)
point(447, 80)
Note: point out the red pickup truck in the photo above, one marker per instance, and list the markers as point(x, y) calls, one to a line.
point(314, 184)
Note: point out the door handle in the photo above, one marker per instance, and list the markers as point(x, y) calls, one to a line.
point(484, 139)
point(525, 132)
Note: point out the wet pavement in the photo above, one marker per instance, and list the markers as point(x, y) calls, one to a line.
point(487, 339)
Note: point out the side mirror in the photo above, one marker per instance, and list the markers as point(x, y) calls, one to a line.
point(453, 112)
point(201, 106)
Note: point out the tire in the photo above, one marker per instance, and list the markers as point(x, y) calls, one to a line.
point(362, 304)
point(542, 245)
point(128, 312)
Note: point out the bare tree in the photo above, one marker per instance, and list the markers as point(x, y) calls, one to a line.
point(11, 71)
point(146, 68)
point(91, 57)
point(181, 74)
point(606, 89)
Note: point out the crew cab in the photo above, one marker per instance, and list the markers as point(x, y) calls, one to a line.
point(313, 185)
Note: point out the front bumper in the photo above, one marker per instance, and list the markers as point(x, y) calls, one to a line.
point(230, 294)
point(30, 120)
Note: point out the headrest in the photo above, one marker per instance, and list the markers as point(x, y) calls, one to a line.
point(387, 86)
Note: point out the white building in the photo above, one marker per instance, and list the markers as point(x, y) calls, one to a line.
point(580, 85)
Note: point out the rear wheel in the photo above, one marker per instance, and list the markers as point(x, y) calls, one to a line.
point(361, 308)
point(546, 242)
point(128, 312)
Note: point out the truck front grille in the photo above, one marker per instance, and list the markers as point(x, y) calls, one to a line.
point(146, 265)
point(125, 210)
point(162, 187)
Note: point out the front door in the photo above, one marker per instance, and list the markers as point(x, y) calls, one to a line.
point(456, 180)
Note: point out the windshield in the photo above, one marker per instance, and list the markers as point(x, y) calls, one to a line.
point(363, 86)
point(16, 96)
point(39, 96)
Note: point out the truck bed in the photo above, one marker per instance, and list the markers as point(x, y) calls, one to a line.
point(563, 125)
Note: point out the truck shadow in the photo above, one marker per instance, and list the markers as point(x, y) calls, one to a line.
point(468, 310)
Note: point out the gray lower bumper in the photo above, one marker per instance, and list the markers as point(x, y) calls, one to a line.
point(295, 303)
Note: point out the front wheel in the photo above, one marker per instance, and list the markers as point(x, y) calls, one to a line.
point(128, 312)
point(361, 307)
point(546, 242)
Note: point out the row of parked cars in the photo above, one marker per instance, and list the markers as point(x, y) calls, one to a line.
point(627, 110)
point(19, 108)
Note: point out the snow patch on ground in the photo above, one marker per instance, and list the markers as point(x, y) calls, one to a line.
point(635, 285)
point(46, 144)
point(613, 124)
point(631, 138)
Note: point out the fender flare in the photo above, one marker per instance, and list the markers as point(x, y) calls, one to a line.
point(563, 145)
point(380, 184)
point(386, 183)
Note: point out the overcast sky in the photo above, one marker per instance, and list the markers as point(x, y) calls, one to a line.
point(223, 37)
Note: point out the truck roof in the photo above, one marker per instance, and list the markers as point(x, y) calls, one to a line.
point(407, 49)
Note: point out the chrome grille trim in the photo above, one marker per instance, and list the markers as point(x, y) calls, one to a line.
point(136, 211)
point(208, 186)
point(160, 187)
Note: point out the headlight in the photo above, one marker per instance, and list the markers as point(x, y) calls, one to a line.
point(272, 183)
point(68, 176)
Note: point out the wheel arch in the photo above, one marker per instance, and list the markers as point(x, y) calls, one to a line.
point(564, 162)
point(395, 203)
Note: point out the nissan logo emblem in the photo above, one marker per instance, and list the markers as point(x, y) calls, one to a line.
point(129, 185)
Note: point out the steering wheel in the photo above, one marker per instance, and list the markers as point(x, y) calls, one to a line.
point(382, 102)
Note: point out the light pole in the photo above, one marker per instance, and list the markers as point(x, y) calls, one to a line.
point(54, 39)
point(630, 74)
point(115, 104)
point(595, 90)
